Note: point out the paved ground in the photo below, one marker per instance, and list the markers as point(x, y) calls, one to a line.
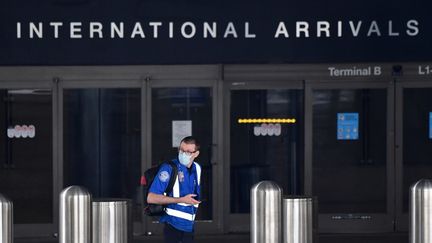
point(244, 238)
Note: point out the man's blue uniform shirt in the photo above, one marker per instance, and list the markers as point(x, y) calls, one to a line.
point(180, 216)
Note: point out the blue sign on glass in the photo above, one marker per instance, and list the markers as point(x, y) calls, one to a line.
point(348, 126)
point(430, 125)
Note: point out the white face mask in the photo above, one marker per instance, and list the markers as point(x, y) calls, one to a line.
point(184, 158)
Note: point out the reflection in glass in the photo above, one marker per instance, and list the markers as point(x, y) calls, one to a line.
point(26, 173)
point(185, 104)
point(417, 146)
point(102, 131)
point(349, 176)
point(265, 151)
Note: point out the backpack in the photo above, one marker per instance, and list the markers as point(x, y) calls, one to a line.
point(146, 182)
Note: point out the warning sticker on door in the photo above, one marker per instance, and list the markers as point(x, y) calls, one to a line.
point(430, 125)
point(348, 126)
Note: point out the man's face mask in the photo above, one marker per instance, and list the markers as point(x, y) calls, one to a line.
point(184, 158)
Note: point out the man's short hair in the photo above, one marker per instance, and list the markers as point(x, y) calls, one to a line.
point(191, 140)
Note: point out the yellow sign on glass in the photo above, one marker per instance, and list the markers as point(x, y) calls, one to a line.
point(266, 120)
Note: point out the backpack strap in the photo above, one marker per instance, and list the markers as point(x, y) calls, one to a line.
point(173, 177)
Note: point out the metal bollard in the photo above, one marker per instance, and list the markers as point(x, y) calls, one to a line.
point(111, 221)
point(75, 215)
point(6, 220)
point(297, 220)
point(421, 212)
point(266, 212)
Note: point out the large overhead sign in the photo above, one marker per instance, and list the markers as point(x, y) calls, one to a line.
point(96, 32)
point(211, 30)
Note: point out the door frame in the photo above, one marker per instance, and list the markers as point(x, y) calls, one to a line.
point(380, 222)
point(241, 222)
point(204, 226)
point(30, 230)
point(402, 219)
point(121, 77)
point(88, 81)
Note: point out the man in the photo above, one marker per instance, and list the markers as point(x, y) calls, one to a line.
point(182, 203)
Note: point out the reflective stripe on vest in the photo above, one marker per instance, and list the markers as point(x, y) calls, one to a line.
point(176, 187)
point(198, 169)
point(180, 214)
point(187, 205)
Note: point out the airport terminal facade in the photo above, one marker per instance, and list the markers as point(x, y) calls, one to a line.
point(336, 106)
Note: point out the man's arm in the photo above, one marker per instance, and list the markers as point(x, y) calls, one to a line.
point(162, 199)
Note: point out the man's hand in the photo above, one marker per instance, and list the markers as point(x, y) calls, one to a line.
point(189, 199)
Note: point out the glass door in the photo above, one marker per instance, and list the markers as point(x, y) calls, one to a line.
point(176, 109)
point(349, 154)
point(264, 139)
point(26, 156)
point(413, 141)
point(101, 134)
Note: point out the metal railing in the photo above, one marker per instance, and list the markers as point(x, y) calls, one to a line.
point(276, 220)
point(421, 212)
point(111, 220)
point(75, 215)
point(266, 213)
point(297, 219)
point(6, 220)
